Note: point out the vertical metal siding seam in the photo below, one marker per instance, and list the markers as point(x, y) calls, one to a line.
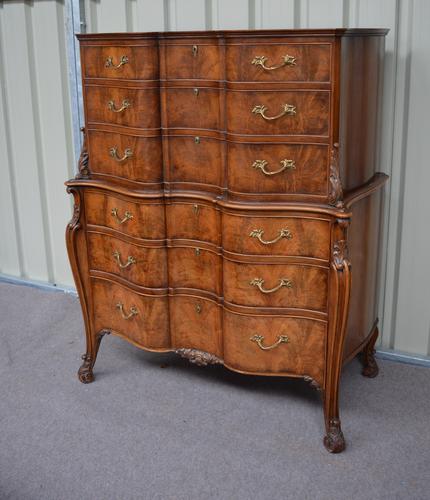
point(37, 124)
point(66, 92)
point(403, 150)
point(208, 14)
point(10, 161)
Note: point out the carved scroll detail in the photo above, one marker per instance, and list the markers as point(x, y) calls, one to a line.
point(200, 358)
point(335, 196)
point(340, 253)
point(83, 168)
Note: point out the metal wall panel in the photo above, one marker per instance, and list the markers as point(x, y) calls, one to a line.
point(39, 119)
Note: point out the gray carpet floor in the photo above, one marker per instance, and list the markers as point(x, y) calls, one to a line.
point(144, 430)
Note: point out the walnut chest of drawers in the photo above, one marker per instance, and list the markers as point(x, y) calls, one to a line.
point(227, 204)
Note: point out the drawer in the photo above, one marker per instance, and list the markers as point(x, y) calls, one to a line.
point(300, 112)
point(195, 323)
point(278, 169)
point(192, 108)
point(123, 106)
point(129, 157)
point(279, 62)
point(275, 344)
point(127, 62)
point(142, 220)
point(140, 318)
point(135, 263)
point(193, 221)
point(195, 160)
point(293, 236)
point(276, 285)
point(192, 61)
point(195, 268)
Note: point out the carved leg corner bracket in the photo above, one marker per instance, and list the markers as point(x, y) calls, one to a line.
point(370, 366)
point(85, 372)
point(199, 358)
point(334, 440)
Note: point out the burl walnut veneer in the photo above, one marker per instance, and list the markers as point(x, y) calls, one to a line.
point(227, 205)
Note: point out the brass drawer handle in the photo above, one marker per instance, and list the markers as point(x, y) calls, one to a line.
point(258, 233)
point(113, 151)
point(286, 61)
point(133, 311)
point(259, 282)
point(127, 216)
point(130, 260)
point(262, 164)
point(110, 64)
point(125, 104)
point(287, 109)
point(259, 339)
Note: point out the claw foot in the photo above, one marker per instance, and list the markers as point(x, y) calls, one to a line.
point(334, 440)
point(85, 372)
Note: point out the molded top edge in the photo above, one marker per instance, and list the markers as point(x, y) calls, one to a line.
point(338, 32)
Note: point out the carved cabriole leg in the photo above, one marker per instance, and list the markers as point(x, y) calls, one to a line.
point(85, 372)
point(340, 277)
point(370, 367)
point(76, 249)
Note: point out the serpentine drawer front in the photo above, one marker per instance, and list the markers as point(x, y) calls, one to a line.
point(227, 203)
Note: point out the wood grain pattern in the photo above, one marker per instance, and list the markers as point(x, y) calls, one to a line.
point(193, 221)
point(196, 323)
point(307, 237)
point(309, 177)
point(308, 291)
point(149, 328)
point(181, 61)
point(311, 118)
point(185, 109)
point(143, 112)
point(147, 219)
point(194, 162)
point(195, 268)
point(212, 256)
point(144, 165)
point(312, 62)
point(303, 354)
point(142, 62)
point(148, 267)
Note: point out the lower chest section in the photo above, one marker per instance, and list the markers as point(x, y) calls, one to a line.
point(250, 288)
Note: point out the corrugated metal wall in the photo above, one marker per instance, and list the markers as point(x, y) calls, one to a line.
point(39, 118)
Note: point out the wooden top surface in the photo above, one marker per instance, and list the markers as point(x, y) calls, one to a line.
point(337, 32)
